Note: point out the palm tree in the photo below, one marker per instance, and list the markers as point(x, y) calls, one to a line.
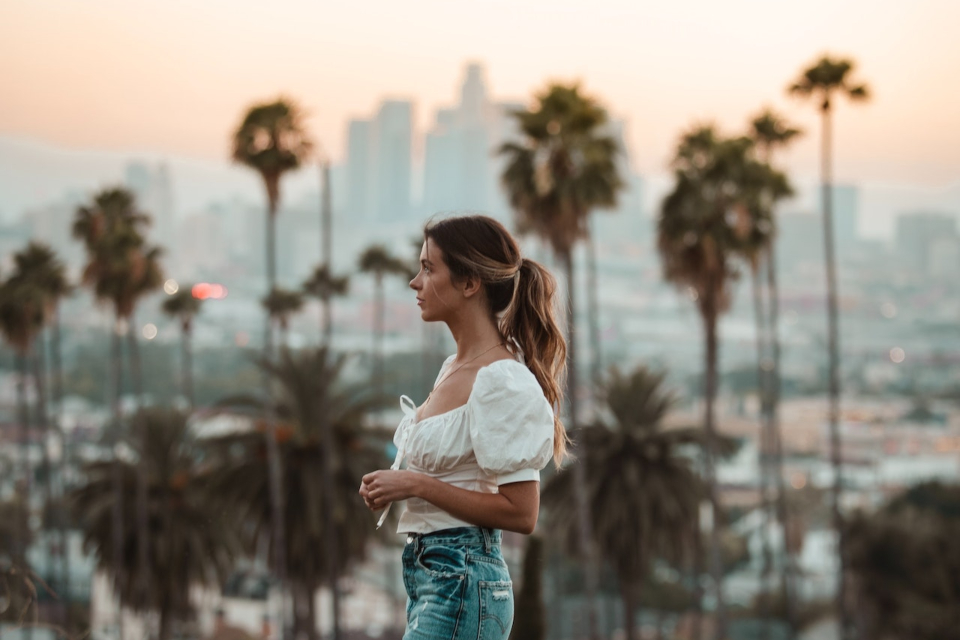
point(563, 169)
point(272, 140)
point(184, 306)
point(280, 305)
point(37, 266)
point(770, 131)
point(705, 223)
point(378, 260)
point(643, 493)
point(324, 454)
point(823, 81)
point(324, 286)
point(190, 542)
point(121, 269)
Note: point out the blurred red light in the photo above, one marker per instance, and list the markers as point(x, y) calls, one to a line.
point(204, 290)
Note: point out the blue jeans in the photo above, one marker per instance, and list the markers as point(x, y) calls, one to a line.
point(457, 586)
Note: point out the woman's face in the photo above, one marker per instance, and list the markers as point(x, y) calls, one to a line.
point(437, 297)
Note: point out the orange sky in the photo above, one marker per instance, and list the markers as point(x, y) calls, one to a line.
point(174, 77)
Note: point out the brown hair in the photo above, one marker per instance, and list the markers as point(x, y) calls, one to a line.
point(520, 293)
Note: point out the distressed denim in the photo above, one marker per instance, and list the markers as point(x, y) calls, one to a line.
point(458, 586)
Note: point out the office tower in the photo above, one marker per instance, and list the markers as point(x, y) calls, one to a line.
point(460, 168)
point(358, 171)
point(154, 192)
point(846, 200)
point(924, 242)
point(393, 160)
point(799, 241)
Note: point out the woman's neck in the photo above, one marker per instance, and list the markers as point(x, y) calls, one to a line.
point(474, 334)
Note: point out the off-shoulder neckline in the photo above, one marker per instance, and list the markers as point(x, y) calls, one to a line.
point(469, 397)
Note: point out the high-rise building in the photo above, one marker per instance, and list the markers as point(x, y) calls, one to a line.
point(379, 165)
point(154, 193)
point(359, 205)
point(393, 160)
point(846, 202)
point(460, 167)
point(923, 240)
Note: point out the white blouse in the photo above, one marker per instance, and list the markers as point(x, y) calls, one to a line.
point(503, 434)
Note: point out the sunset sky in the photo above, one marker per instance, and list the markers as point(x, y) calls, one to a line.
point(173, 77)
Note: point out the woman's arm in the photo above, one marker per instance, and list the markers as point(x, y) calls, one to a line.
point(514, 508)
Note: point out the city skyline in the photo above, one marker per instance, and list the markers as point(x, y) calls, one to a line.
point(118, 77)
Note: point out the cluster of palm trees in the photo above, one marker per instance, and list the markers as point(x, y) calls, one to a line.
point(285, 486)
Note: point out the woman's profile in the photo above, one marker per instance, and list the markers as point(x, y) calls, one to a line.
point(474, 449)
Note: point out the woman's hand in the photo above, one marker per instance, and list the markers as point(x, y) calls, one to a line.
point(380, 488)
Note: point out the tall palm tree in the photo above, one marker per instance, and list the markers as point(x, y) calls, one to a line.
point(564, 168)
point(378, 261)
point(769, 132)
point(705, 224)
point(826, 79)
point(184, 306)
point(121, 269)
point(325, 453)
point(272, 140)
point(643, 493)
point(280, 304)
point(324, 286)
point(37, 266)
point(191, 542)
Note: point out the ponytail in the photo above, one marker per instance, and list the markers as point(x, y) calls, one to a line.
point(529, 320)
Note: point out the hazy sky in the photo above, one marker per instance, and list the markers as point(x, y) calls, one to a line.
point(173, 77)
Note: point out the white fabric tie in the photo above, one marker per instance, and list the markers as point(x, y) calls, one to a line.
point(409, 409)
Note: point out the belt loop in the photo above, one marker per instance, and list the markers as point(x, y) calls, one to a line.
point(487, 539)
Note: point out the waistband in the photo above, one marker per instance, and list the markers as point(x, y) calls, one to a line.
point(458, 535)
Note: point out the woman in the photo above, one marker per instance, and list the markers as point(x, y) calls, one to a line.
point(475, 447)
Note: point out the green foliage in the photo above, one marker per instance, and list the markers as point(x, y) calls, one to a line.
point(323, 285)
point(189, 541)
point(309, 394)
point(281, 303)
point(121, 268)
point(271, 139)
point(378, 260)
point(720, 209)
point(905, 560)
point(565, 166)
point(182, 305)
point(827, 77)
point(642, 494)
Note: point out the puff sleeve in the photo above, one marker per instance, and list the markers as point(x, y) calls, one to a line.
point(511, 423)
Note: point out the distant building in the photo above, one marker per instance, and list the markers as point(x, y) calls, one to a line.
point(799, 241)
point(927, 243)
point(154, 192)
point(846, 212)
point(379, 164)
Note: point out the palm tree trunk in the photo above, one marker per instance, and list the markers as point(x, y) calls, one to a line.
point(696, 631)
point(788, 577)
point(165, 621)
point(629, 593)
point(143, 533)
point(331, 514)
point(116, 515)
point(378, 322)
point(764, 448)
point(710, 395)
point(593, 315)
point(67, 458)
point(187, 360)
point(23, 411)
point(275, 471)
point(326, 244)
point(271, 240)
point(588, 555)
point(39, 377)
point(833, 349)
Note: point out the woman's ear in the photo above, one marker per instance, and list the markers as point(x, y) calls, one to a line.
point(470, 286)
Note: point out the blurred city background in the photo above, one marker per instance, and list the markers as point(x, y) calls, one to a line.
point(209, 214)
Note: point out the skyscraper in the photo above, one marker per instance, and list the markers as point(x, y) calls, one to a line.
point(925, 242)
point(379, 164)
point(154, 192)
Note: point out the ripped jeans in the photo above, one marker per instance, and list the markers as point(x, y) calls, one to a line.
point(458, 586)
